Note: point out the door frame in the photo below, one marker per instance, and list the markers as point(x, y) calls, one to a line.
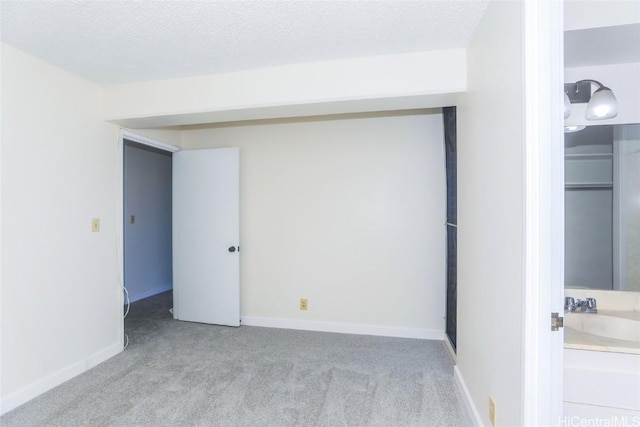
point(120, 216)
point(542, 381)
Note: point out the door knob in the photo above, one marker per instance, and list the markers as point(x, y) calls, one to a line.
point(232, 248)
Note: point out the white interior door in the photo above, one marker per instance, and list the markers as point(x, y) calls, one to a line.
point(206, 260)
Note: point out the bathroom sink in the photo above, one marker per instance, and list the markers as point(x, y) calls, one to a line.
point(621, 325)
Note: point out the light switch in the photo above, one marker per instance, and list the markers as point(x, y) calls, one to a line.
point(95, 225)
point(132, 219)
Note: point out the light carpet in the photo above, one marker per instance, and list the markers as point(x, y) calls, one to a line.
point(188, 374)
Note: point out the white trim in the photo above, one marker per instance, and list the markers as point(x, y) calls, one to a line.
point(147, 141)
point(553, 246)
point(343, 328)
point(45, 384)
point(543, 139)
point(580, 414)
point(531, 297)
point(150, 292)
point(119, 215)
point(468, 400)
point(449, 347)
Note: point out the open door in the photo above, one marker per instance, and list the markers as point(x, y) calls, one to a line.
point(206, 260)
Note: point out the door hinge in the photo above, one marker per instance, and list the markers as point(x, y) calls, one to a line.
point(557, 321)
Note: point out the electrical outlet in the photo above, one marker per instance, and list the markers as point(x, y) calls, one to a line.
point(492, 411)
point(303, 304)
point(95, 225)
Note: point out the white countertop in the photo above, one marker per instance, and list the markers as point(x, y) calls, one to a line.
point(579, 340)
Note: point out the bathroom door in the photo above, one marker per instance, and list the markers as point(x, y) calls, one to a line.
point(206, 260)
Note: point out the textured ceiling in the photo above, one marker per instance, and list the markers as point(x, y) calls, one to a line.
point(127, 41)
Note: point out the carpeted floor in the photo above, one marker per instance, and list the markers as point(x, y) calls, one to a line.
point(187, 374)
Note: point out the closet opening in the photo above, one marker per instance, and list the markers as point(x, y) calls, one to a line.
point(449, 117)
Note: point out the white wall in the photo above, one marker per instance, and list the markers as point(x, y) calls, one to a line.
point(581, 14)
point(59, 280)
point(491, 216)
point(147, 241)
point(347, 212)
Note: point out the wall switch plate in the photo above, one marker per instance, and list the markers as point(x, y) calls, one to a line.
point(303, 304)
point(95, 225)
point(132, 219)
point(492, 411)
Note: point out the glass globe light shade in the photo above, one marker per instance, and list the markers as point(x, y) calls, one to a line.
point(603, 105)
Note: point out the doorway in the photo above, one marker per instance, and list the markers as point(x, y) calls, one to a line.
point(146, 220)
point(164, 244)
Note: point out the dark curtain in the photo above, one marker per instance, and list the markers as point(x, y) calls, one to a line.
point(449, 115)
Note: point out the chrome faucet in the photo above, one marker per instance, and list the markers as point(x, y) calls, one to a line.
point(587, 305)
point(569, 304)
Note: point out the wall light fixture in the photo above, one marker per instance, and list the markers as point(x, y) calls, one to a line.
point(602, 104)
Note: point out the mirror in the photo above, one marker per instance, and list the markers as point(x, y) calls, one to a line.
point(602, 208)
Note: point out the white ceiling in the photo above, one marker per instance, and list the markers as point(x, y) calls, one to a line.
point(112, 42)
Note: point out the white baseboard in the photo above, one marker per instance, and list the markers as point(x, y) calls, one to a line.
point(343, 328)
point(449, 347)
point(578, 414)
point(45, 384)
point(151, 292)
point(468, 401)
